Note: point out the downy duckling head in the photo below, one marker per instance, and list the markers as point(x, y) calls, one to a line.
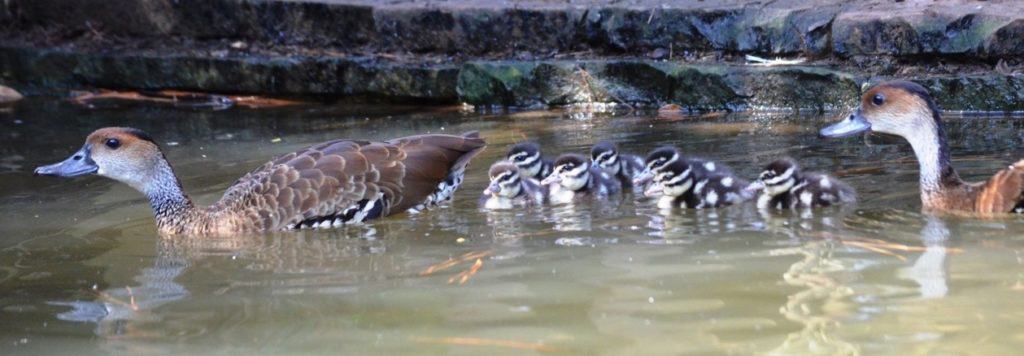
point(505, 181)
point(571, 170)
point(526, 156)
point(899, 108)
point(657, 160)
point(673, 180)
point(605, 154)
point(778, 177)
point(123, 154)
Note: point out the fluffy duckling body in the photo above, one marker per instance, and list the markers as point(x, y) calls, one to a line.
point(625, 167)
point(325, 185)
point(679, 186)
point(782, 185)
point(664, 156)
point(906, 109)
point(531, 162)
point(574, 177)
point(508, 189)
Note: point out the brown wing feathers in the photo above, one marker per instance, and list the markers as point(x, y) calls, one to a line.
point(1003, 192)
point(323, 180)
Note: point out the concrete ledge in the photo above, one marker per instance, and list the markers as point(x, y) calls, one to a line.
point(527, 53)
point(494, 28)
point(511, 83)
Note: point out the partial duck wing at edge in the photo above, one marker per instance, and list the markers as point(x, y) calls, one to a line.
point(1004, 192)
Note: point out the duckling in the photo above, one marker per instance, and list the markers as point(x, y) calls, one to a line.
point(664, 156)
point(906, 109)
point(625, 167)
point(680, 187)
point(574, 177)
point(508, 190)
point(325, 185)
point(528, 157)
point(782, 185)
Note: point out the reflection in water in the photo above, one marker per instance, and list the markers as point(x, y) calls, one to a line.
point(929, 271)
point(311, 259)
point(826, 300)
point(571, 217)
point(116, 308)
point(820, 305)
point(700, 223)
point(614, 277)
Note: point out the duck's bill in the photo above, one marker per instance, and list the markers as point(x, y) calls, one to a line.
point(754, 187)
point(653, 191)
point(79, 164)
point(493, 188)
point(643, 179)
point(851, 125)
point(551, 179)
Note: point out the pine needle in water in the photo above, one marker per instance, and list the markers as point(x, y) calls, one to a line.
point(472, 341)
point(454, 261)
point(463, 276)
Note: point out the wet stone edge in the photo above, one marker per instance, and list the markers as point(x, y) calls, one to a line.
point(528, 83)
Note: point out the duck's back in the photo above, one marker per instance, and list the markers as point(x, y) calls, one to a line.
point(1003, 193)
point(347, 181)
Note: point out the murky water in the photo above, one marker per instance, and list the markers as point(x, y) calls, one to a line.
point(82, 271)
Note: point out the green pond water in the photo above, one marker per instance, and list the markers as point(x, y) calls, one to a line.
point(83, 272)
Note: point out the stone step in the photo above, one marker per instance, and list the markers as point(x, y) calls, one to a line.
point(503, 29)
point(532, 83)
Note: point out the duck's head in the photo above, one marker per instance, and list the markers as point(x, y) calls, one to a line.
point(672, 180)
point(898, 108)
point(505, 181)
point(571, 170)
point(526, 156)
point(778, 177)
point(124, 154)
point(605, 154)
point(657, 160)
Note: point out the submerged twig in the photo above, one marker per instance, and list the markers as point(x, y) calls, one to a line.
point(881, 246)
point(463, 276)
point(874, 248)
point(454, 261)
point(473, 341)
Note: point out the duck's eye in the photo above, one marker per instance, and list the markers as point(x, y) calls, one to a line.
point(878, 100)
point(112, 143)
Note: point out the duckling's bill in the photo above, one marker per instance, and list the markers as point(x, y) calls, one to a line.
point(654, 190)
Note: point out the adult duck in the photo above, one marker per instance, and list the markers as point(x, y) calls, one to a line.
point(906, 109)
point(325, 185)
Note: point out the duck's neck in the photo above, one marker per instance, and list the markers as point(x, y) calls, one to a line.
point(172, 208)
point(937, 174)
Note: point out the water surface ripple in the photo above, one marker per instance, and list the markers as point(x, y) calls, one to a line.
point(82, 271)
